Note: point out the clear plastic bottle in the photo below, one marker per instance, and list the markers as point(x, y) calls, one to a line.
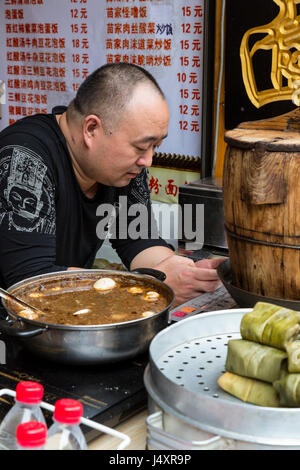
point(26, 408)
point(31, 436)
point(65, 432)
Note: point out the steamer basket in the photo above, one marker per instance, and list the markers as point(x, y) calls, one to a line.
point(186, 360)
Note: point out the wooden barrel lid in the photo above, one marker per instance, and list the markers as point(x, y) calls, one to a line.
point(279, 134)
point(273, 141)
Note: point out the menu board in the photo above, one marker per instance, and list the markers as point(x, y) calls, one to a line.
point(50, 46)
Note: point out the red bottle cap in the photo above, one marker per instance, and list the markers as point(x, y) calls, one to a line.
point(68, 411)
point(29, 392)
point(31, 434)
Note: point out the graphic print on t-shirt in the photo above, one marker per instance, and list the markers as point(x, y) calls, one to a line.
point(26, 193)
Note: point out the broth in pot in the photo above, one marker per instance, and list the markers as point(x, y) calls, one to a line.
point(91, 301)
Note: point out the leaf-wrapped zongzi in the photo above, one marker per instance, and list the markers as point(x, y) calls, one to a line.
point(288, 389)
point(293, 351)
point(271, 325)
point(249, 390)
point(255, 360)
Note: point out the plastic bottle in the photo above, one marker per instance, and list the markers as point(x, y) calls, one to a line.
point(65, 432)
point(26, 408)
point(31, 436)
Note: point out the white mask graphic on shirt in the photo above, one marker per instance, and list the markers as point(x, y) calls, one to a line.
point(28, 196)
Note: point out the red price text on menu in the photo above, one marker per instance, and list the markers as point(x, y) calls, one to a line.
point(188, 75)
point(79, 20)
point(131, 36)
point(34, 65)
point(37, 62)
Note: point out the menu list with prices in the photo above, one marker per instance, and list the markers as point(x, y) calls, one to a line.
point(51, 46)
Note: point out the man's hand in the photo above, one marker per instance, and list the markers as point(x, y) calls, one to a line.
point(189, 279)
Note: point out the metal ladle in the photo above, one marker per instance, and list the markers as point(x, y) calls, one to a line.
point(7, 296)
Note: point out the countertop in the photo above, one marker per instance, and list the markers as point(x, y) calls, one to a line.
point(134, 427)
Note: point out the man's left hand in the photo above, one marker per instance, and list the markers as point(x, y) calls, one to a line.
point(189, 279)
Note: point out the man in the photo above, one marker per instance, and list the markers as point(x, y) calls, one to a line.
point(57, 170)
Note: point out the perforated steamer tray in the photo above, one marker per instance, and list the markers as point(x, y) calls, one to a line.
point(186, 360)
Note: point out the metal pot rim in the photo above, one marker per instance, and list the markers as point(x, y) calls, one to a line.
point(105, 326)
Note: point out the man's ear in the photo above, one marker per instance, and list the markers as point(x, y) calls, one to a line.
point(92, 126)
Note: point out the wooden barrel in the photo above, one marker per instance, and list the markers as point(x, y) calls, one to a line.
point(261, 197)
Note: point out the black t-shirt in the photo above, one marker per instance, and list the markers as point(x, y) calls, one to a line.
point(46, 222)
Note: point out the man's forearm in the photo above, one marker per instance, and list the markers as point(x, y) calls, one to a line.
point(151, 257)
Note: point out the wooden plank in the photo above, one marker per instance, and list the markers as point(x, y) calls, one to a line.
point(219, 107)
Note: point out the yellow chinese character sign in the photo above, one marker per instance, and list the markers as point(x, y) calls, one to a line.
point(282, 39)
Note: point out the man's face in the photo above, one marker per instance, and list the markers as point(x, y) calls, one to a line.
point(116, 158)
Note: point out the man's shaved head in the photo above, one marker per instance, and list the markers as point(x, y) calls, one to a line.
point(107, 91)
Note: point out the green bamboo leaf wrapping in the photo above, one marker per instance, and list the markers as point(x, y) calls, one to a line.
point(249, 390)
point(271, 325)
point(293, 351)
point(255, 361)
point(288, 389)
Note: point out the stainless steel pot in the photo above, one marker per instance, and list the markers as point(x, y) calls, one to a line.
point(90, 344)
